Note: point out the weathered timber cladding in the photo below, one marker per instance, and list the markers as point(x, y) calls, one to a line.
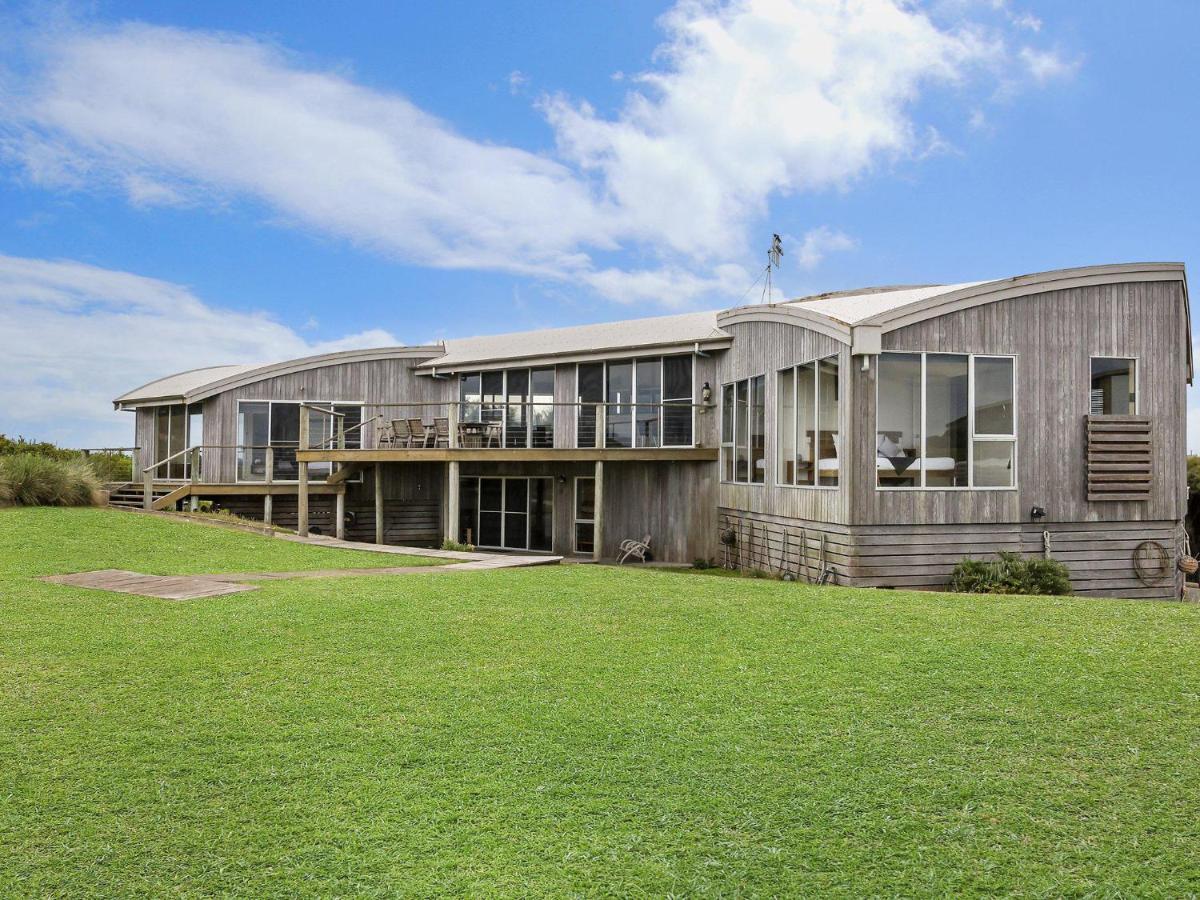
point(783, 546)
point(1053, 336)
point(763, 348)
point(1099, 555)
point(371, 381)
point(1119, 457)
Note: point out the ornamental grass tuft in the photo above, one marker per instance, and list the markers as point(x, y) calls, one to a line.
point(29, 479)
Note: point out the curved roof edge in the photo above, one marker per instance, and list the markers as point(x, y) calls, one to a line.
point(179, 388)
point(788, 315)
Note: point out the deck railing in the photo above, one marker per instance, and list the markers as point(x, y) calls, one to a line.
point(501, 424)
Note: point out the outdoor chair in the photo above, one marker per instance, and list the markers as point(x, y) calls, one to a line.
point(494, 433)
point(421, 433)
point(631, 549)
point(441, 431)
point(401, 433)
point(385, 437)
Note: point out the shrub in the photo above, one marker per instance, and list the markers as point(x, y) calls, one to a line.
point(33, 480)
point(455, 545)
point(1010, 574)
point(107, 466)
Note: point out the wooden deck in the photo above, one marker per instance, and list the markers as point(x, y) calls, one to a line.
point(499, 454)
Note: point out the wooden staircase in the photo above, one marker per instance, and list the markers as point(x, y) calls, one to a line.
point(129, 495)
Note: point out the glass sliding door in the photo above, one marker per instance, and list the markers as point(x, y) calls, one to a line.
point(511, 513)
point(491, 512)
point(516, 423)
point(585, 514)
point(619, 412)
point(541, 393)
point(254, 434)
point(492, 408)
point(677, 401)
point(516, 514)
point(648, 387)
point(541, 514)
point(170, 437)
point(590, 393)
point(785, 426)
point(469, 398)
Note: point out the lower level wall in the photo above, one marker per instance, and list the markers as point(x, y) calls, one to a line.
point(1099, 555)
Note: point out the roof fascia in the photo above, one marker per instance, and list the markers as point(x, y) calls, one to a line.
point(434, 367)
point(788, 315)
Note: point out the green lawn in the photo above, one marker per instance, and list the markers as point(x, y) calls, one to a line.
point(577, 730)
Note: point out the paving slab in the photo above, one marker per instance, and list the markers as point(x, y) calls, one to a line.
point(165, 587)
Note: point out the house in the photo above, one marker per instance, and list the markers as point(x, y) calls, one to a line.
point(871, 437)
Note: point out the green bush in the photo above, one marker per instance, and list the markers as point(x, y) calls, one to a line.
point(456, 546)
point(1010, 574)
point(29, 479)
point(107, 466)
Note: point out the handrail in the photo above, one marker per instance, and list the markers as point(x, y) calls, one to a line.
point(344, 432)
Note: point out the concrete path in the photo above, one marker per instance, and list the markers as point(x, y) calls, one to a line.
point(193, 587)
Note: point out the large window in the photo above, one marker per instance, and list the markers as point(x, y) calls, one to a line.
point(808, 443)
point(743, 431)
point(519, 402)
point(276, 424)
point(648, 402)
point(176, 428)
point(1114, 387)
point(946, 420)
point(512, 513)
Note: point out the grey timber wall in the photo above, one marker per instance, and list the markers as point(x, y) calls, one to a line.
point(763, 348)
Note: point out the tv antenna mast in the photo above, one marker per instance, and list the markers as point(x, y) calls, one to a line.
point(774, 255)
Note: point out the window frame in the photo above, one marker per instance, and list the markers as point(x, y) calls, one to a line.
point(815, 362)
point(576, 521)
point(972, 437)
point(732, 447)
point(527, 406)
point(663, 401)
point(1137, 378)
point(237, 418)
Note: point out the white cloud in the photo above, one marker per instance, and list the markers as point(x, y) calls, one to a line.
point(746, 102)
point(819, 243)
point(74, 336)
point(1047, 65)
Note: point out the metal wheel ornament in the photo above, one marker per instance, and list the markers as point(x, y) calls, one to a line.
point(1151, 562)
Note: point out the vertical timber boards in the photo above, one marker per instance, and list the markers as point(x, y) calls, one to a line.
point(1098, 555)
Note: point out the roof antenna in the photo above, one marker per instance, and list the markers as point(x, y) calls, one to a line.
point(774, 254)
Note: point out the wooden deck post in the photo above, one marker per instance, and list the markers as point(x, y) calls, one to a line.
point(148, 489)
point(268, 500)
point(193, 499)
point(302, 488)
point(598, 515)
point(339, 514)
point(601, 425)
point(379, 503)
point(452, 501)
point(452, 417)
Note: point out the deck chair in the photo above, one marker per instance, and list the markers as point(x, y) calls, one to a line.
point(384, 436)
point(441, 431)
point(401, 433)
point(631, 549)
point(420, 433)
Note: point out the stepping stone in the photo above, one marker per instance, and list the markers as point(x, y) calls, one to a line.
point(165, 587)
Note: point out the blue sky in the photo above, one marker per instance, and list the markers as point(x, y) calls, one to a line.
point(188, 184)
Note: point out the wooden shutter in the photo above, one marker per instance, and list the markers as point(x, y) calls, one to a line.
point(1118, 457)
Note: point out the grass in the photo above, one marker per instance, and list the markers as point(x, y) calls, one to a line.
point(580, 730)
point(44, 541)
